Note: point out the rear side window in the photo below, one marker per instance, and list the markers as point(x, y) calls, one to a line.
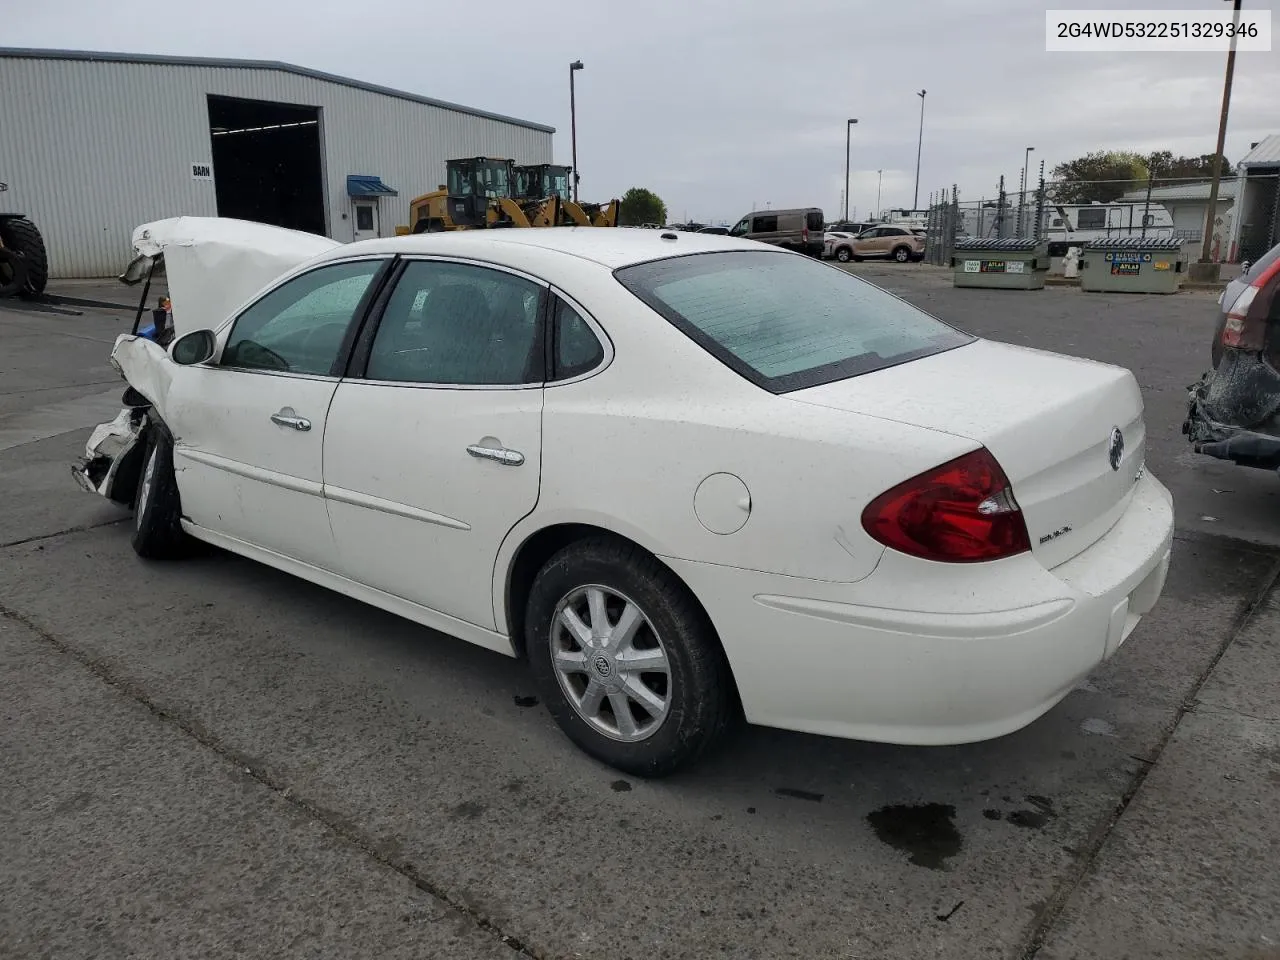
point(575, 347)
point(786, 323)
point(813, 219)
point(764, 225)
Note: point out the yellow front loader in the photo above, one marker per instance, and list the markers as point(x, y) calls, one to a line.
point(485, 193)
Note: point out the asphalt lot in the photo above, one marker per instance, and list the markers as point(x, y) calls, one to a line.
point(210, 758)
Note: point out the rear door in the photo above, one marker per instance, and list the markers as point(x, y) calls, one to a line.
point(433, 447)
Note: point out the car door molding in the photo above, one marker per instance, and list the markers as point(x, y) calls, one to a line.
point(250, 472)
point(382, 505)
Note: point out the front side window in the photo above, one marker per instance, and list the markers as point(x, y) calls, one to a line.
point(786, 323)
point(452, 323)
point(299, 326)
point(740, 228)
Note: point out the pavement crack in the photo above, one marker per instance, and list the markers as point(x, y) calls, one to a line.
point(1092, 847)
point(338, 825)
point(83, 528)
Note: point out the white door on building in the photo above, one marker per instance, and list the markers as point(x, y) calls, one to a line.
point(366, 219)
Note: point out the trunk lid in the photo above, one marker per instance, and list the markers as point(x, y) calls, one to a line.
point(1048, 420)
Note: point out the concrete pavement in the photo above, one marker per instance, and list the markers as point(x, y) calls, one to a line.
point(210, 757)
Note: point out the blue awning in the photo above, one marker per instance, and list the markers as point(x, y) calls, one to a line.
point(363, 185)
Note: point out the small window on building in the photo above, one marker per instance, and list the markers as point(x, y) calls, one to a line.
point(1092, 219)
point(364, 217)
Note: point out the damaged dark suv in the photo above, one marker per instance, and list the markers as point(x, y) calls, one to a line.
point(1235, 407)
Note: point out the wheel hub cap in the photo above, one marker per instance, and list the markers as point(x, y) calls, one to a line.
point(610, 663)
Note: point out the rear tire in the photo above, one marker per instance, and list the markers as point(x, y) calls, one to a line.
point(588, 685)
point(902, 254)
point(21, 236)
point(157, 509)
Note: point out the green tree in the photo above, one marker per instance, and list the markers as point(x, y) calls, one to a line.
point(1168, 169)
point(1106, 174)
point(640, 206)
point(1102, 176)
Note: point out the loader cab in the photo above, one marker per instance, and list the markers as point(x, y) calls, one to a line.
point(472, 183)
point(541, 181)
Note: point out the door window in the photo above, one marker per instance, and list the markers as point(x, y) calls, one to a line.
point(364, 217)
point(576, 348)
point(741, 227)
point(452, 323)
point(299, 326)
point(765, 225)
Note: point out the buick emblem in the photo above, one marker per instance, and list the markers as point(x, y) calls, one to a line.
point(1115, 448)
point(602, 666)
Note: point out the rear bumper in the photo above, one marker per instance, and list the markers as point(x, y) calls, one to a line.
point(921, 653)
point(1227, 406)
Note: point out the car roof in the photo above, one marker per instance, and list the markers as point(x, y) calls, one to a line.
point(611, 247)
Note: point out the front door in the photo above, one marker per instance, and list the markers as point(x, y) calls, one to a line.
point(366, 220)
point(433, 451)
point(249, 427)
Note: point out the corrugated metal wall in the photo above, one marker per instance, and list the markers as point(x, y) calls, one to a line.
point(90, 149)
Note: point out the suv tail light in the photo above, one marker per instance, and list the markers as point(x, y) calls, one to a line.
point(961, 512)
point(1246, 324)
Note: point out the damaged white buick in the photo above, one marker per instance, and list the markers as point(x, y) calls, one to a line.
point(688, 478)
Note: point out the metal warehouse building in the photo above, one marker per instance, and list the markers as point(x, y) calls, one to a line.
point(93, 144)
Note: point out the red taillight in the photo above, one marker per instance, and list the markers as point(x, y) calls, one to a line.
point(804, 234)
point(1246, 324)
point(960, 512)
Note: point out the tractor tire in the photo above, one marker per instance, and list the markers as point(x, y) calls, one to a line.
point(13, 273)
point(21, 236)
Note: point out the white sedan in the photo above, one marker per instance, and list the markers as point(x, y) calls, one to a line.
point(686, 477)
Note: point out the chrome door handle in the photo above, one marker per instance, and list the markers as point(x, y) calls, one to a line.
point(510, 458)
point(287, 418)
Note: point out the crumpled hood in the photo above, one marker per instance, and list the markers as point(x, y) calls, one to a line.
point(216, 264)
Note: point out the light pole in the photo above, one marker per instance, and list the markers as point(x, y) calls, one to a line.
point(1212, 213)
point(848, 139)
point(1022, 201)
point(573, 127)
point(915, 200)
point(879, 181)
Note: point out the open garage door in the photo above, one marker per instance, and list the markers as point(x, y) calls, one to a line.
point(266, 162)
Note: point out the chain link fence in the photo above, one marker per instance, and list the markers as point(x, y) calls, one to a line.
point(1060, 211)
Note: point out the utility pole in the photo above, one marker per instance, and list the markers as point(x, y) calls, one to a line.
point(1212, 213)
point(1022, 201)
point(848, 140)
point(879, 181)
point(573, 126)
point(915, 199)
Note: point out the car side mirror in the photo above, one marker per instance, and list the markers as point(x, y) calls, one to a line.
point(195, 347)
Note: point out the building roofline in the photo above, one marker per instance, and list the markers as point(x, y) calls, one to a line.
point(36, 53)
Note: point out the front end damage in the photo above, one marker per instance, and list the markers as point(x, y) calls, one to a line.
point(113, 456)
point(1234, 411)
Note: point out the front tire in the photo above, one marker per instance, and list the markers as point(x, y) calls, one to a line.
point(157, 510)
point(844, 254)
point(626, 660)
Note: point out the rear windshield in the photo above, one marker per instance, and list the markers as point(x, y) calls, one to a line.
point(784, 321)
point(813, 219)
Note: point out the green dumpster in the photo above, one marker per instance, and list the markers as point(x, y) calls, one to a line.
point(1131, 265)
point(1011, 263)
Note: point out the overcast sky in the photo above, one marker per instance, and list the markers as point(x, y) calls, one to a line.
point(719, 105)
